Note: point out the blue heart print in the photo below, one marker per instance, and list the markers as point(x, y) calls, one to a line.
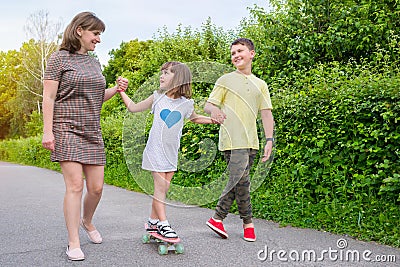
point(170, 118)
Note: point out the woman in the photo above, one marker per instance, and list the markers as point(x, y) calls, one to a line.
point(74, 90)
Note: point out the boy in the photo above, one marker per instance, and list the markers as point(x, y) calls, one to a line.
point(235, 102)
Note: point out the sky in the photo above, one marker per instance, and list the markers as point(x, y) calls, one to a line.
point(125, 19)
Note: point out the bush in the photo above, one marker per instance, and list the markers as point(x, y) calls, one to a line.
point(337, 159)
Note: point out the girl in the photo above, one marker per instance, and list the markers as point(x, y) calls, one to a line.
point(170, 105)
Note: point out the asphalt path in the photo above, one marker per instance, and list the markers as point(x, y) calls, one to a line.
point(32, 232)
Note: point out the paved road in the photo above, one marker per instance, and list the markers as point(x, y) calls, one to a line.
point(33, 233)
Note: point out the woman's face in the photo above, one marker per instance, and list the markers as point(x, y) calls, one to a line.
point(88, 39)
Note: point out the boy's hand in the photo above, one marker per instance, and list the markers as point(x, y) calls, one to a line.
point(267, 151)
point(122, 84)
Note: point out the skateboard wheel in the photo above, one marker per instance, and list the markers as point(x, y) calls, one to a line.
point(145, 239)
point(162, 249)
point(179, 249)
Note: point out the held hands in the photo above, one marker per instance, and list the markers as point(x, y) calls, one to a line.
point(217, 116)
point(214, 121)
point(122, 84)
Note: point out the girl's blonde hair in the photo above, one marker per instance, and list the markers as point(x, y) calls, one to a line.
point(85, 20)
point(182, 80)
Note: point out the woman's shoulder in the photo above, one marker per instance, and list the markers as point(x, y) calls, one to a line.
point(60, 53)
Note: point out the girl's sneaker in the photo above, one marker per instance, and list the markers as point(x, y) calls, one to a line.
point(166, 231)
point(151, 227)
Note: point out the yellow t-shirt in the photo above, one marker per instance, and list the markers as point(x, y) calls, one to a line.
point(240, 97)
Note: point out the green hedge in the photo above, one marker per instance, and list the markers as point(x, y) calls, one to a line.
point(337, 161)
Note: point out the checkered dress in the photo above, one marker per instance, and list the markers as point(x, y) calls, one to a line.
point(76, 120)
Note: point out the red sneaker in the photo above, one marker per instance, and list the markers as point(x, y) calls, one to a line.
point(249, 234)
point(217, 227)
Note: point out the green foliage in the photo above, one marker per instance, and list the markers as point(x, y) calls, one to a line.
point(300, 34)
point(116, 171)
point(35, 124)
point(337, 154)
point(28, 96)
point(9, 73)
point(27, 151)
point(125, 60)
point(139, 61)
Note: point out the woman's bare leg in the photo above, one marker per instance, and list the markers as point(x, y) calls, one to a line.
point(72, 172)
point(94, 183)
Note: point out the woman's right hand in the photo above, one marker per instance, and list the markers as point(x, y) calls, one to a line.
point(48, 141)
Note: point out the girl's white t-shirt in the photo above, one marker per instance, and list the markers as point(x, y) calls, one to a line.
point(161, 151)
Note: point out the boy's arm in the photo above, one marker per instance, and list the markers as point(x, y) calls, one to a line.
point(215, 112)
point(136, 107)
point(268, 125)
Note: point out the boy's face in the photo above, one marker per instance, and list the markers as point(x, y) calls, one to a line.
point(241, 56)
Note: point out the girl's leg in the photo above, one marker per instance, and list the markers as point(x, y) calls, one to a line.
point(94, 183)
point(162, 181)
point(72, 172)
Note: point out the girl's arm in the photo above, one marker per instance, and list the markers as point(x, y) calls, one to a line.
point(136, 107)
point(200, 119)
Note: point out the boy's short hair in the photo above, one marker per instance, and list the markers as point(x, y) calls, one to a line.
point(244, 41)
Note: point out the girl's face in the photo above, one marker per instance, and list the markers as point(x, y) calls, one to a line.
point(166, 79)
point(88, 39)
point(241, 56)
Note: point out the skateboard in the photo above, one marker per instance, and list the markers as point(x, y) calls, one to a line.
point(165, 244)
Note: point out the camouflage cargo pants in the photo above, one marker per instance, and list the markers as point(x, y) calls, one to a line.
point(238, 187)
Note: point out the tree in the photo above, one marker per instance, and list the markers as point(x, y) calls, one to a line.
point(44, 38)
point(44, 41)
point(9, 74)
point(298, 34)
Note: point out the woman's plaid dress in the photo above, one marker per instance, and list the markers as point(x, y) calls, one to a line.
point(77, 107)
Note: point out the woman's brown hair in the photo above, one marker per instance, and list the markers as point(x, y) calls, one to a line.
point(87, 21)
